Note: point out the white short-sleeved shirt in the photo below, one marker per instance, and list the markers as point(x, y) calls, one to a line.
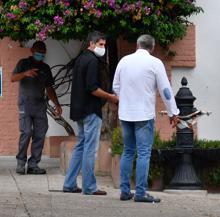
point(136, 80)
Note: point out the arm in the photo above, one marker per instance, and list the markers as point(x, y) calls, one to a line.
point(53, 97)
point(92, 84)
point(166, 94)
point(19, 76)
point(102, 94)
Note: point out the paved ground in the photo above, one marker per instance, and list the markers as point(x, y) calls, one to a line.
point(29, 196)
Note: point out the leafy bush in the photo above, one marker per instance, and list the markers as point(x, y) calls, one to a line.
point(65, 19)
point(212, 176)
point(117, 142)
point(163, 144)
point(155, 171)
point(207, 144)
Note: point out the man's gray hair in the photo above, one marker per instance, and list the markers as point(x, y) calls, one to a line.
point(146, 42)
point(95, 37)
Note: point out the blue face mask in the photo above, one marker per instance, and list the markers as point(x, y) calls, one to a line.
point(38, 56)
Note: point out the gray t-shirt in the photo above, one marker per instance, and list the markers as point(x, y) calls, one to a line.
point(33, 89)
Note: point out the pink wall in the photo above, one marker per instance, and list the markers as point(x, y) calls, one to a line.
point(10, 53)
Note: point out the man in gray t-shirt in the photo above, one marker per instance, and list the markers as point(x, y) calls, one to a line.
point(34, 78)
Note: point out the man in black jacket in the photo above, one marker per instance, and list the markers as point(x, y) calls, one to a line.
point(85, 108)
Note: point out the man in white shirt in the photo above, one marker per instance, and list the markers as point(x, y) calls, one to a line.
point(136, 80)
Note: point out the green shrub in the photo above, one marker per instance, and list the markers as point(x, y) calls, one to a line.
point(206, 144)
point(212, 176)
point(155, 171)
point(163, 144)
point(117, 142)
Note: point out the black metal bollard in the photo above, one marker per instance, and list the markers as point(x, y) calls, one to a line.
point(185, 176)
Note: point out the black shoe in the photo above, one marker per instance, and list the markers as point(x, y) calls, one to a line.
point(147, 199)
point(97, 192)
point(126, 196)
point(36, 170)
point(76, 190)
point(20, 170)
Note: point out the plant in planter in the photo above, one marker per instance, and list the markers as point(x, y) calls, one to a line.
point(207, 144)
point(117, 142)
point(155, 178)
point(116, 151)
point(156, 170)
point(163, 144)
point(212, 179)
point(214, 176)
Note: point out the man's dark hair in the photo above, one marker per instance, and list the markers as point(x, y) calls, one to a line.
point(39, 45)
point(146, 42)
point(94, 37)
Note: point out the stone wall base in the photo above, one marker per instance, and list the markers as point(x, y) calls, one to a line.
point(52, 145)
point(103, 160)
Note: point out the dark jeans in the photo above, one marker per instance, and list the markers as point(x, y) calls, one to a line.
point(33, 124)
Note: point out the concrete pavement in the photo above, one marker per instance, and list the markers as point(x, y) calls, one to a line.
point(31, 196)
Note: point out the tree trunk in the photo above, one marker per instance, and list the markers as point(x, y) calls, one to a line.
point(110, 113)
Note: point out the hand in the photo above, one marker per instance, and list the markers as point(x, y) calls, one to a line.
point(31, 73)
point(113, 98)
point(58, 110)
point(174, 120)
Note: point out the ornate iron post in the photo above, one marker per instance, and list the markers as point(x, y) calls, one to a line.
point(185, 176)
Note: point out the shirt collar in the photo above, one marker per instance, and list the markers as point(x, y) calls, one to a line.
point(140, 50)
point(91, 52)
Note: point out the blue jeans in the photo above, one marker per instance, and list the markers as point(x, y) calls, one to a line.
point(84, 155)
point(136, 136)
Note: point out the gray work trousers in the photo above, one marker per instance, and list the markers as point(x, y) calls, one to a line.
point(33, 125)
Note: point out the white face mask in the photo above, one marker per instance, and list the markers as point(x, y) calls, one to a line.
point(99, 51)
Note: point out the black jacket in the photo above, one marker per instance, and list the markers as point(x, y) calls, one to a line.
point(85, 80)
